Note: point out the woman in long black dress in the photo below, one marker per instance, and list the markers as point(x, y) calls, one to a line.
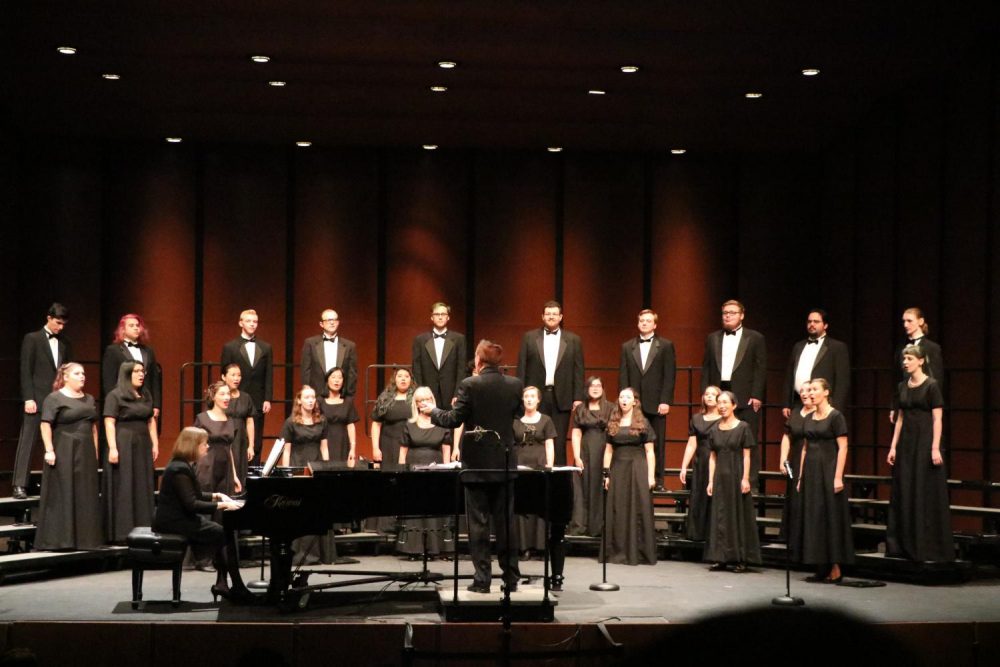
point(590, 435)
point(132, 449)
point(304, 432)
point(183, 503)
point(69, 510)
point(628, 463)
point(341, 435)
point(732, 528)
point(792, 443)
point(825, 539)
point(242, 412)
point(392, 409)
point(217, 469)
point(423, 443)
point(698, 450)
point(919, 514)
point(534, 442)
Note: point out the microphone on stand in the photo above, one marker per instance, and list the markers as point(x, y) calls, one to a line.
point(788, 470)
point(788, 600)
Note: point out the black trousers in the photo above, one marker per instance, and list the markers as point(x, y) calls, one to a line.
point(659, 424)
point(483, 501)
point(26, 443)
point(560, 419)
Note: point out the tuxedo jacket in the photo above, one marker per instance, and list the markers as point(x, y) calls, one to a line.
point(655, 382)
point(115, 355)
point(314, 365)
point(258, 378)
point(833, 363)
point(749, 378)
point(443, 381)
point(933, 366)
point(569, 366)
point(38, 369)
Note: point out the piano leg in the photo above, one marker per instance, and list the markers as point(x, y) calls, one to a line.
point(281, 569)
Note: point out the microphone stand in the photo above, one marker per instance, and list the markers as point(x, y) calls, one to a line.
point(604, 585)
point(787, 600)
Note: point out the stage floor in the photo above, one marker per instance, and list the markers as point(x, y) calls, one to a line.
point(669, 592)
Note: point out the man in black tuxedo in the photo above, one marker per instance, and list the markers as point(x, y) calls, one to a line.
point(649, 366)
point(915, 327)
point(256, 363)
point(131, 343)
point(326, 351)
point(551, 359)
point(818, 356)
point(439, 357)
point(42, 353)
point(490, 401)
point(736, 360)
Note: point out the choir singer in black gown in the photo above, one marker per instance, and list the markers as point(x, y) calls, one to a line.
point(69, 510)
point(217, 469)
point(699, 450)
point(341, 417)
point(919, 514)
point(589, 435)
point(243, 412)
point(534, 437)
point(132, 449)
point(182, 505)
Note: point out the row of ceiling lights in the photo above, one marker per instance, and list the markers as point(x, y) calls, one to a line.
point(443, 64)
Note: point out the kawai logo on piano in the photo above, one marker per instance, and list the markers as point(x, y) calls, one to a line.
point(276, 502)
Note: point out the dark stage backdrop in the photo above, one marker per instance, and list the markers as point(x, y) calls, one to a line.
point(900, 212)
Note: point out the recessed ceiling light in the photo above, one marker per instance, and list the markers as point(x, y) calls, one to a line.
point(630, 69)
point(810, 71)
point(596, 92)
point(174, 140)
point(439, 89)
point(754, 96)
point(303, 144)
point(260, 59)
point(678, 151)
point(430, 147)
point(447, 64)
point(554, 149)
point(276, 84)
point(66, 50)
point(111, 77)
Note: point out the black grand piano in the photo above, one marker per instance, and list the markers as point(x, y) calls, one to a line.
point(285, 508)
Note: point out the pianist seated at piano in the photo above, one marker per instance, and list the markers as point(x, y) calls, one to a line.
point(423, 443)
point(182, 504)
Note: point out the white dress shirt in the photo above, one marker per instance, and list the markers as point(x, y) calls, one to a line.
point(644, 350)
point(53, 346)
point(803, 372)
point(550, 346)
point(251, 348)
point(730, 344)
point(438, 346)
point(330, 352)
point(134, 351)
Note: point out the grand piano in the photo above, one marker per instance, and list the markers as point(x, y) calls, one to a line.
point(285, 508)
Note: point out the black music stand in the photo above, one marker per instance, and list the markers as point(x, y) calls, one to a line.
point(788, 600)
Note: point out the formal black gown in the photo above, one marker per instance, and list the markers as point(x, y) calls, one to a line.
point(69, 510)
point(732, 527)
point(241, 409)
point(795, 430)
point(424, 446)
point(304, 443)
point(631, 535)
point(128, 484)
point(825, 536)
point(215, 468)
point(392, 422)
point(529, 448)
point(699, 502)
point(338, 416)
point(588, 502)
point(919, 515)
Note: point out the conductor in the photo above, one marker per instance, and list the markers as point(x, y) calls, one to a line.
point(489, 401)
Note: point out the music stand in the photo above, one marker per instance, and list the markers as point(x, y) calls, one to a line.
point(269, 465)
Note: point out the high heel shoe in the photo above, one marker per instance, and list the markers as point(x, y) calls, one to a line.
point(220, 590)
point(833, 580)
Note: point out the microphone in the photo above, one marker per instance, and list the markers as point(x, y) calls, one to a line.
point(788, 469)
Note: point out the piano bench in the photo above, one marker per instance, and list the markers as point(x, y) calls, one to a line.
point(148, 550)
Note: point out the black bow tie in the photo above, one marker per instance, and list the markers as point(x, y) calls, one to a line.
point(812, 340)
point(250, 340)
point(731, 333)
point(52, 335)
point(913, 341)
point(437, 335)
point(327, 339)
point(551, 333)
point(128, 344)
point(645, 340)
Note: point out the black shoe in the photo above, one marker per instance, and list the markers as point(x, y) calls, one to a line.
point(659, 488)
point(831, 580)
point(740, 568)
point(816, 579)
point(19, 493)
point(478, 588)
point(220, 590)
point(556, 583)
point(718, 567)
point(511, 587)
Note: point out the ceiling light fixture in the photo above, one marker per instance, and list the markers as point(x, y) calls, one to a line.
point(439, 89)
point(630, 69)
point(554, 149)
point(303, 144)
point(174, 140)
point(447, 64)
point(277, 84)
point(810, 71)
point(111, 77)
point(430, 147)
point(678, 151)
point(260, 59)
point(597, 92)
point(66, 50)
point(754, 96)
